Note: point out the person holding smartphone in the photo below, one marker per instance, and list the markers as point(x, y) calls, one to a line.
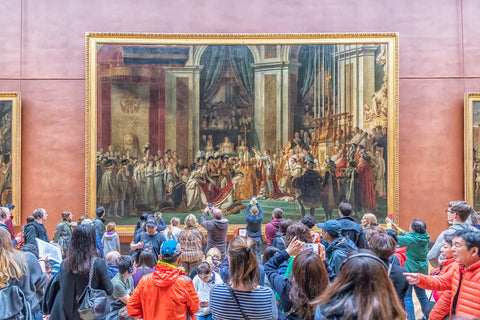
point(254, 217)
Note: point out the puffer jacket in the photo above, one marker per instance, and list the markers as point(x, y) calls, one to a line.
point(468, 303)
point(442, 307)
point(165, 294)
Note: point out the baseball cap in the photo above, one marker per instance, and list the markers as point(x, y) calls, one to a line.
point(151, 222)
point(333, 227)
point(170, 248)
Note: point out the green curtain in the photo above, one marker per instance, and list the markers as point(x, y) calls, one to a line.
point(306, 73)
point(213, 60)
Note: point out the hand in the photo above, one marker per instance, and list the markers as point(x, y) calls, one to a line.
point(412, 278)
point(295, 247)
point(321, 251)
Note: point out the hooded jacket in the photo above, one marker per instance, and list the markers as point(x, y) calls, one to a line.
point(468, 302)
point(417, 249)
point(338, 251)
point(165, 294)
point(270, 229)
point(216, 233)
point(110, 242)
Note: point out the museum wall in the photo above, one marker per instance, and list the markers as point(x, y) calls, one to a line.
point(43, 57)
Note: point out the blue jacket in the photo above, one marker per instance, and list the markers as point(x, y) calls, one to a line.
point(99, 244)
point(254, 222)
point(282, 269)
point(338, 251)
point(161, 225)
point(352, 230)
point(279, 283)
point(112, 270)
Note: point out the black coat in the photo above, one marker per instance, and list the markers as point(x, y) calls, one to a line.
point(33, 231)
point(399, 281)
point(72, 286)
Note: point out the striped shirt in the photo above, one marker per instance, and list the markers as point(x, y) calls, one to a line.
point(257, 305)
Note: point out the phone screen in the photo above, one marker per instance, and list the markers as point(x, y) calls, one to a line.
point(242, 232)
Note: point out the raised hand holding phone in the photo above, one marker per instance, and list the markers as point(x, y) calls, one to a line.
point(295, 247)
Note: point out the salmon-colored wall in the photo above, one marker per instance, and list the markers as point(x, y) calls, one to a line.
point(43, 56)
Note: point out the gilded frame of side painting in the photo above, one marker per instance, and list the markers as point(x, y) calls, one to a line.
point(10, 152)
point(472, 149)
point(355, 84)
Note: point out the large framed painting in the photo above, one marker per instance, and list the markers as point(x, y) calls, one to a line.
point(302, 122)
point(472, 149)
point(10, 152)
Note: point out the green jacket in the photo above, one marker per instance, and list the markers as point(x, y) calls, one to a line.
point(417, 250)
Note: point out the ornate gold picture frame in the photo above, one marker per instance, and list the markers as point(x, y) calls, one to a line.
point(11, 152)
point(150, 93)
point(472, 149)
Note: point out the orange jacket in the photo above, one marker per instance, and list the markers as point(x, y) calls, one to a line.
point(442, 307)
point(165, 294)
point(468, 304)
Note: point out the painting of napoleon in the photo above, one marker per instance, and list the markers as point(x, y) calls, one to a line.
point(184, 125)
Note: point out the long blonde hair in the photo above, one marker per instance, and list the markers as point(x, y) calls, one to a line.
point(174, 222)
point(12, 262)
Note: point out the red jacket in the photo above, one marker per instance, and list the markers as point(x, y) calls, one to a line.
point(402, 257)
point(165, 294)
point(468, 304)
point(442, 307)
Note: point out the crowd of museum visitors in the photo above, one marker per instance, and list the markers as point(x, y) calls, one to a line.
point(336, 269)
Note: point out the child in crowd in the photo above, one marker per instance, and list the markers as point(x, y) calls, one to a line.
point(172, 231)
point(203, 282)
point(110, 240)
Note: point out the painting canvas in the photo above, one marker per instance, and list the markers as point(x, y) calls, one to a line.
point(10, 152)
point(472, 149)
point(302, 122)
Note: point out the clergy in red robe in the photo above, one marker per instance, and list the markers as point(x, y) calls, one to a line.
point(367, 188)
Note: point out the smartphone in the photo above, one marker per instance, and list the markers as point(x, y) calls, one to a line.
point(210, 205)
point(242, 232)
point(254, 199)
point(310, 246)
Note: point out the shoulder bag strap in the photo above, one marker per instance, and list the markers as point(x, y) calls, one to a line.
point(90, 273)
point(236, 301)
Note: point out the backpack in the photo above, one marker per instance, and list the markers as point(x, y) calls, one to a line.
point(14, 304)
